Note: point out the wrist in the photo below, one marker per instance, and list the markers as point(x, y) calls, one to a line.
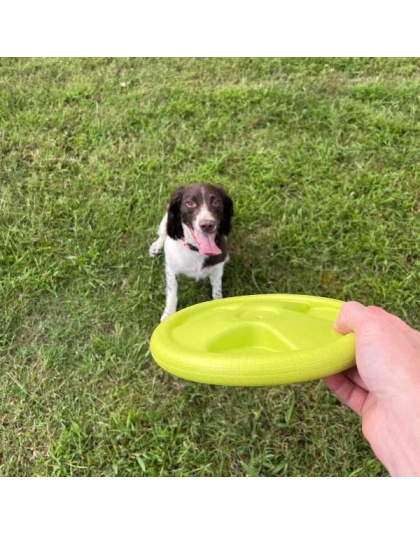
point(405, 458)
point(395, 436)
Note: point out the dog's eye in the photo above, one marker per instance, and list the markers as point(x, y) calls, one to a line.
point(216, 202)
point(190, 204)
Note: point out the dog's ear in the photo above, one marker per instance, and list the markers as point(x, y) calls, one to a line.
point(174, 224)
point(225, 223)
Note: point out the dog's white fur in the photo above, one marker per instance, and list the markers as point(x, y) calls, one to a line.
point(179, 259)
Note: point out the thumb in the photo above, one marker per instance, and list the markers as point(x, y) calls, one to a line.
point(352, 318)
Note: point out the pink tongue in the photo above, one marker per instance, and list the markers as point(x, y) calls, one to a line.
point(206, 244)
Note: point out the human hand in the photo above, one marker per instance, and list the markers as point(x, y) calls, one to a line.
point(384, 387)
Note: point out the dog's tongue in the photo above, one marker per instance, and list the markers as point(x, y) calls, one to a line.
point(206, 244)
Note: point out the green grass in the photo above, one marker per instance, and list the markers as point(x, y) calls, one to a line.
point(321, 158)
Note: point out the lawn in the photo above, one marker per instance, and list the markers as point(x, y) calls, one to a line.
point(321, 158)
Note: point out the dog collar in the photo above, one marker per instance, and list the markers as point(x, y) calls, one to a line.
point(190, 245)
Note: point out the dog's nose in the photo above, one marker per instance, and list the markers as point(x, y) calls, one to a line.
point(208, 226)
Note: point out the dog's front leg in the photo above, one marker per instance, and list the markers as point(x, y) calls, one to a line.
point(157, 245)
point(216, 281)
point(171, 293)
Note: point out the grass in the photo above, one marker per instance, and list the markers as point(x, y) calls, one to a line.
point(321, 158)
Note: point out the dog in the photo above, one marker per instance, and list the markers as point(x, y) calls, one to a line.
point(193, 234)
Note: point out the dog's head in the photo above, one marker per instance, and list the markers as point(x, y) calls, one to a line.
point(206, 209)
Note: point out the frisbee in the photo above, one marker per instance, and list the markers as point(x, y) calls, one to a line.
point(254, 340)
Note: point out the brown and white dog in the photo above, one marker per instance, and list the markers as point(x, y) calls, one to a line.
point(194, 234)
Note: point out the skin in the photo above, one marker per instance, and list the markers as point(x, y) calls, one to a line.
point(384, 387)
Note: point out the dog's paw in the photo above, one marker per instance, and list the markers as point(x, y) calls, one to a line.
point(154, 249)
point(165, 315)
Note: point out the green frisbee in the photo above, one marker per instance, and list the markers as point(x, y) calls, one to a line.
point(254, 340)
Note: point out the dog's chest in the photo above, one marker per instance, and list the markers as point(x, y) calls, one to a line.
point(182, 260)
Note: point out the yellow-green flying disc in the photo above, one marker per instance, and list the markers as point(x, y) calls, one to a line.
point(254, 340)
